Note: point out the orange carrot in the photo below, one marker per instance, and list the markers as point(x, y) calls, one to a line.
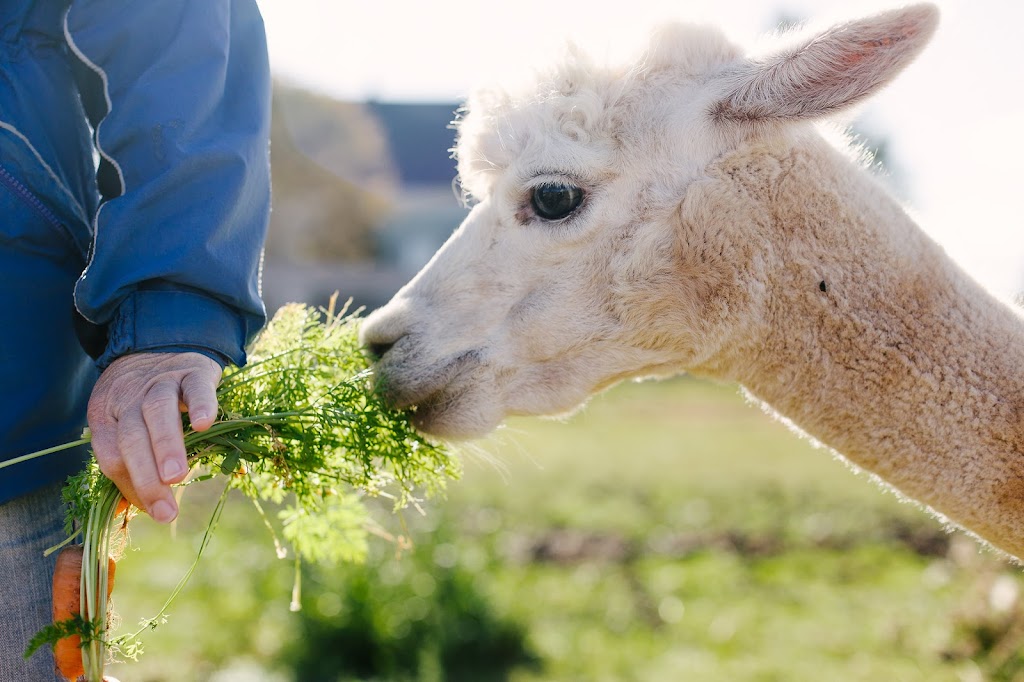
point(67, 591)
point(122, 506)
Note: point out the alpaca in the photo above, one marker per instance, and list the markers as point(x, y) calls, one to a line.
point(687, 213)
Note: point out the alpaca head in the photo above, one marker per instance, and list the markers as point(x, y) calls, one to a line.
point(580, 263)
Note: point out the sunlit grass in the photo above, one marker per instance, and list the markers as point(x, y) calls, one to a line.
point(670, 531)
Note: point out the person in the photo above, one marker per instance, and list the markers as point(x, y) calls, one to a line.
point(134, 201)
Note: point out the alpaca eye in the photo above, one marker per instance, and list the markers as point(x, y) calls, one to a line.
point(556, 201)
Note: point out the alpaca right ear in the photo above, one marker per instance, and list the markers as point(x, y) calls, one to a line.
point(831, 71)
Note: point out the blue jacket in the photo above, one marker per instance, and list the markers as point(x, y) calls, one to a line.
point(134, 199)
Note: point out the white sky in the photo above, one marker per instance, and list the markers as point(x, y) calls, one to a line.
point(953, 119)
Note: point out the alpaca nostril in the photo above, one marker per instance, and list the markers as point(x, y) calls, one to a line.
point(376, 350)
point(380, 332)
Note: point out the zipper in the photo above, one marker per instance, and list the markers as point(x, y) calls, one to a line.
point(34, 202)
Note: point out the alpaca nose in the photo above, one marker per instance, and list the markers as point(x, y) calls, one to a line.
point(377, 349)
point(380, 332)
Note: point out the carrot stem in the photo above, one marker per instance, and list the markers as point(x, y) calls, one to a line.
point(47, 451)
point(207, 536)
point(95, 579)
point(296, 604)
point(65, 542)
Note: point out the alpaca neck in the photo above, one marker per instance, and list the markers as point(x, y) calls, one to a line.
point(876, 344)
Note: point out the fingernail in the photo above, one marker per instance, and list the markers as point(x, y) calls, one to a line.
point(172, 469)
point(162, 511)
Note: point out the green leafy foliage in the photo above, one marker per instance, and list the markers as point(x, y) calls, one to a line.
point(335, 534)
point(54, 632)
point(418, 616)
point(300, 425)
point(304, 424)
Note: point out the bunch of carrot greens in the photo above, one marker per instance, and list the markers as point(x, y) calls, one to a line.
point(300, 427)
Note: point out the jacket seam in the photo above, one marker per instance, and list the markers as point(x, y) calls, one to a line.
point(99, 148)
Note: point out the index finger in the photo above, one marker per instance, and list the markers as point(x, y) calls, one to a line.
point(199, 394)
point(136, 449)
point(163, 424)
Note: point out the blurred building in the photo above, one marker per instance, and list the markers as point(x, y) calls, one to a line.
point(426, 208)
point(362, 195)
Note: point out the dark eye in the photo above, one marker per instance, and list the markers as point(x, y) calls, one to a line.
point(555, 201)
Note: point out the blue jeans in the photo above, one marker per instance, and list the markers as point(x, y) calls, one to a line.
point(28, 525)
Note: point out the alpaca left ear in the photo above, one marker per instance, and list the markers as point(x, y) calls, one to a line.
point(831, 71)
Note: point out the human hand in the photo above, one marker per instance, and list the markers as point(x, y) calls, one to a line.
point(135, 418)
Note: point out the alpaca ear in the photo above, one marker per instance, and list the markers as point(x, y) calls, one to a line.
point(831, 71)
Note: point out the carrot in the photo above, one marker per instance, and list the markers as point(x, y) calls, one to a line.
point(122, 506)
point(67, 600)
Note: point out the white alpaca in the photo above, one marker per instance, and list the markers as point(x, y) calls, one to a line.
point(684, 213)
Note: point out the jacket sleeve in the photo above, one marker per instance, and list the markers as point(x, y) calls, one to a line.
point(178, 93)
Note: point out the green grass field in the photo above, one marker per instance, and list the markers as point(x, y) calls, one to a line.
point(668, 532)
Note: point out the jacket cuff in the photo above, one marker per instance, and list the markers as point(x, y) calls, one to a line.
point(158, 320)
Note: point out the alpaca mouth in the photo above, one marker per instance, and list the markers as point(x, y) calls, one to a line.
point(427, 413)
point(407, 384)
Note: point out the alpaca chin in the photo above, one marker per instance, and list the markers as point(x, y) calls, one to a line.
point(456, 415)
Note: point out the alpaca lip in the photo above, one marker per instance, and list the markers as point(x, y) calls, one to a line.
point(411, 399)
point(405, 385)
point(425, 411)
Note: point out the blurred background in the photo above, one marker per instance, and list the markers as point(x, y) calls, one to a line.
point(668, 532)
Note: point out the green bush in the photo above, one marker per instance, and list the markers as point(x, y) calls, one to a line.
point(414, 615)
